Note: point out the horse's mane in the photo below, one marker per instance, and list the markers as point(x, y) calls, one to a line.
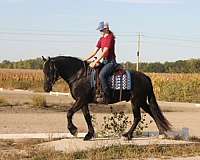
point(68, 58)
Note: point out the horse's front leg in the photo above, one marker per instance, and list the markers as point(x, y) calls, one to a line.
point(76, 106)
point(87, 116)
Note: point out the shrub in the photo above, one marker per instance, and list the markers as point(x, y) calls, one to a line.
point(142, 125)
point(194, 139)
point(39, 101)
point(3, 101)
point(114, 124)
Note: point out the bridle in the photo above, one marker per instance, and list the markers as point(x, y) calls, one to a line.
point(54, 74)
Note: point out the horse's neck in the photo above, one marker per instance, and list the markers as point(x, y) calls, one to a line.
point(70, 69)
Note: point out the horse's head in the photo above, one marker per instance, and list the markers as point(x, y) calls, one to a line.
point(50, 74)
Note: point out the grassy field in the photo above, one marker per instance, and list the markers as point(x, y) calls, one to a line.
point(168, 87)
point(11, 150)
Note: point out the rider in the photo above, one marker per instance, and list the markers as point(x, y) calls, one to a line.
point(107, 45)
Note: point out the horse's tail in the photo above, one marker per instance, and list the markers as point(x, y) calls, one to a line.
point(156, 111)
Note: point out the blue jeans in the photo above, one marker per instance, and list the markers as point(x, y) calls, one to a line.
point(105, 72)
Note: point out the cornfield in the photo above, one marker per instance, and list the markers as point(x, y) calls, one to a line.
point(26, 79)
point(167, 86)
point(176, 87)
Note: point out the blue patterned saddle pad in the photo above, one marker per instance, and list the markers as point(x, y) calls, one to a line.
point(116, 81)
point(120, 81)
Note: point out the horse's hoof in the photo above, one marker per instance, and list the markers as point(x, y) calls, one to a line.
point(125, 134)
point(75, 134)
point(161, 136)
point(128, 136)
point(73, 131)
point(88, 136)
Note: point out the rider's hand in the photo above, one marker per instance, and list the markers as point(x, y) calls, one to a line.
point(92, 65)
point(85, 59)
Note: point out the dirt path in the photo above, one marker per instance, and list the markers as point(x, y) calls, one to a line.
point(56, 122)
point(21, 117)
point(26, 119)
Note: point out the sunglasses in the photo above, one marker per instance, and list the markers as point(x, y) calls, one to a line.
point(102, 30)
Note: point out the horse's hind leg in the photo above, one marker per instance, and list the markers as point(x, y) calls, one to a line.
point(146, 108)
point(76, 106)
point(137, 117)
point(87, 116)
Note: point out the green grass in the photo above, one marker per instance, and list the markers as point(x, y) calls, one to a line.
point(194, 139)
point(26, 151)
point(132, 151)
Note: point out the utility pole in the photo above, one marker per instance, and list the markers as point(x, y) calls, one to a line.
point(138, 51)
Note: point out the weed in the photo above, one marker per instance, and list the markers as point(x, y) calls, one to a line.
point(194, 139)
point(114, 125)
point(39, 101)
point(142, 125)
point(3, 101)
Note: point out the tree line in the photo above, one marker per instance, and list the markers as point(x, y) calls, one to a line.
point(23, 64)
point(180, 66)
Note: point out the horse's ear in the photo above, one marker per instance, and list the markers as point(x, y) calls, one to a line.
point(44, 59)
point(49, 58)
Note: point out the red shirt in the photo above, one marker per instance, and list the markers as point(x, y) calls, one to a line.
point(109, 42)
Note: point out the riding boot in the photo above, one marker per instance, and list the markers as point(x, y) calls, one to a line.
point(107, 95)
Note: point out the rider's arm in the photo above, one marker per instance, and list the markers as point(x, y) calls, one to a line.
point(92, 54)
point(102, 55)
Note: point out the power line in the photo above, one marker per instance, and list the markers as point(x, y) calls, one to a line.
point(84, 41)
point(182, 36)
point(172, 39)
point(37, 40)
point(82, 35)
point(128, 33)
point(46, 34)
point(62, 35)
point(170, 44)
point(90, 34)
point(58, 41)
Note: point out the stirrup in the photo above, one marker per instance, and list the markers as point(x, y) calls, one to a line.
point(103, 99)
point(100, 97)
point(100, 100)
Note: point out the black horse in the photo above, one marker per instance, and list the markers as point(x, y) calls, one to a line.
point(74, 72)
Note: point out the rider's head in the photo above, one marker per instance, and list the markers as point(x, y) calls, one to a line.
point(103, 27)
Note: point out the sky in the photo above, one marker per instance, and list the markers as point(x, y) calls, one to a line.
point(170, 29)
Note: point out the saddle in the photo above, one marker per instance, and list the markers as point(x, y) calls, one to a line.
point(119, 80)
